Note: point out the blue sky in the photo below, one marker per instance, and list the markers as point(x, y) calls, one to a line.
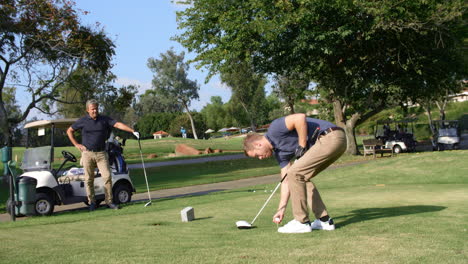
point(142, 29)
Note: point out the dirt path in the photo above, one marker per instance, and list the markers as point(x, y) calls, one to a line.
point(187, 161)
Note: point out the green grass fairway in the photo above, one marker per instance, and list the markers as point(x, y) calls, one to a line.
point(407, 209)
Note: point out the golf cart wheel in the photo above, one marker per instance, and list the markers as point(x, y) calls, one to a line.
point(456, 146)
point(440, 147)
point(44, 204)
point(397, 149)
point(122, 194)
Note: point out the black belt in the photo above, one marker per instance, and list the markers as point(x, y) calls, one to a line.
point(96, 150)
point(331, 129)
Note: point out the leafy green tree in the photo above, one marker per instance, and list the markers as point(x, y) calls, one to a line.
point(152, 122)
point(152, 101)
point(183, 121)
point(248, 90)
point(41, 44)
point(215, 114)
point(364, 54)
point(13, 111)
point(85, 84)
point(274, 108)
point(171, 80)
point(291, 88)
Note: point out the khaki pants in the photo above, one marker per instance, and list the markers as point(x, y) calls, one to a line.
point(90, 161)
point(327, 149)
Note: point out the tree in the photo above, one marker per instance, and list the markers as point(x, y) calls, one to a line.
point(84, 84)
point(153, 101)
point(152, 122)
point(171, 80)
point(291, 88)
point(273, 108)
point(364, 54)
point(183, 121)
point(214, 113)
point(41, 44)
point(12, 109)
point(248, 90)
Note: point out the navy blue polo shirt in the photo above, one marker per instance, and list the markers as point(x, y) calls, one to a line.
point(94, 133)
point(285, 142)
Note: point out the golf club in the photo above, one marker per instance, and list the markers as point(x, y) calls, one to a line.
point(246, 225)
point(144, 171)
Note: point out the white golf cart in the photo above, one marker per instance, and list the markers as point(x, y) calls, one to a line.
point(447, 135)
point(396, 135)
point(66, 186)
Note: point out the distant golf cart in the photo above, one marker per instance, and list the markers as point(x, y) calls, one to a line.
point(66, 185)
point(447, 135)
point(396, 135)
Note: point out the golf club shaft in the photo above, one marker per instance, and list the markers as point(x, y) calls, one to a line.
point(277, 186)
point(144, 170)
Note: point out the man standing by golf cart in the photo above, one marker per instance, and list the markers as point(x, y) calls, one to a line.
point(315, 144)
point(95, 129)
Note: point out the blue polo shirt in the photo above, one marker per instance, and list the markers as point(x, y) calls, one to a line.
point(94, 133)
point(285, 142)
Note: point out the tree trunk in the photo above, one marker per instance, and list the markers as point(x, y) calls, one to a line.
point(191, 121)
point(441, 106)
point(7, 141)
point(427, 108)
point(348, 126)
point(290, 102)
point(253, 124)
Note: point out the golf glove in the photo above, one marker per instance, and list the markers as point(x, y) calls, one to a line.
point(300, 151)
point(137, 134)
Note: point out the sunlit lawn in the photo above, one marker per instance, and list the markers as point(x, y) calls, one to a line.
point(407, 209)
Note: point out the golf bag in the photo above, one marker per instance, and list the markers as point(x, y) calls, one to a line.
point(116, 160)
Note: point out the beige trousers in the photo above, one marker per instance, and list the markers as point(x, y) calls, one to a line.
point(327, 149)
point(91, 161)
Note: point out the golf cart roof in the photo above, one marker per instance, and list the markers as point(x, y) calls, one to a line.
point(446, 121)
point(58, 123)
point(403, 121)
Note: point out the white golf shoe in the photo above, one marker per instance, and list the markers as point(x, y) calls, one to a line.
point(319, 225)
point(295, 226)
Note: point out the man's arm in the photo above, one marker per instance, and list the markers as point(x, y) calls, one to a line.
point(71, 136)
point(284, 197)
point(123, 127)
point(299, 123)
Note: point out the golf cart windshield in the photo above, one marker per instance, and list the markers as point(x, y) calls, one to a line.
point(448, 132)
point(36, 159)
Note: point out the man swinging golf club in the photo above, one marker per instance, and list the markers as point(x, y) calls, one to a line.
point(315, 144)
point(95, 129)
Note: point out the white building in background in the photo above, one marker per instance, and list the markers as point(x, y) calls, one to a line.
point(460, 97)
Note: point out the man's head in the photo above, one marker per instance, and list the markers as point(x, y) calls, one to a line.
point(92, 107)
point(257, 146)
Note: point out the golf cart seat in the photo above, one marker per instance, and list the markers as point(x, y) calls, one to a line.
point(68, 179)
point(73, 174)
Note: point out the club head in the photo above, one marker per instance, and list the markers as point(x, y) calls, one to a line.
point(148, 203)
point(243, 224)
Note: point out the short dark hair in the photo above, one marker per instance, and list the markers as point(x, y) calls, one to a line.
point(250, 140)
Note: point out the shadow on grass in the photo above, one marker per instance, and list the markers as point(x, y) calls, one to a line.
point(368, 214)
